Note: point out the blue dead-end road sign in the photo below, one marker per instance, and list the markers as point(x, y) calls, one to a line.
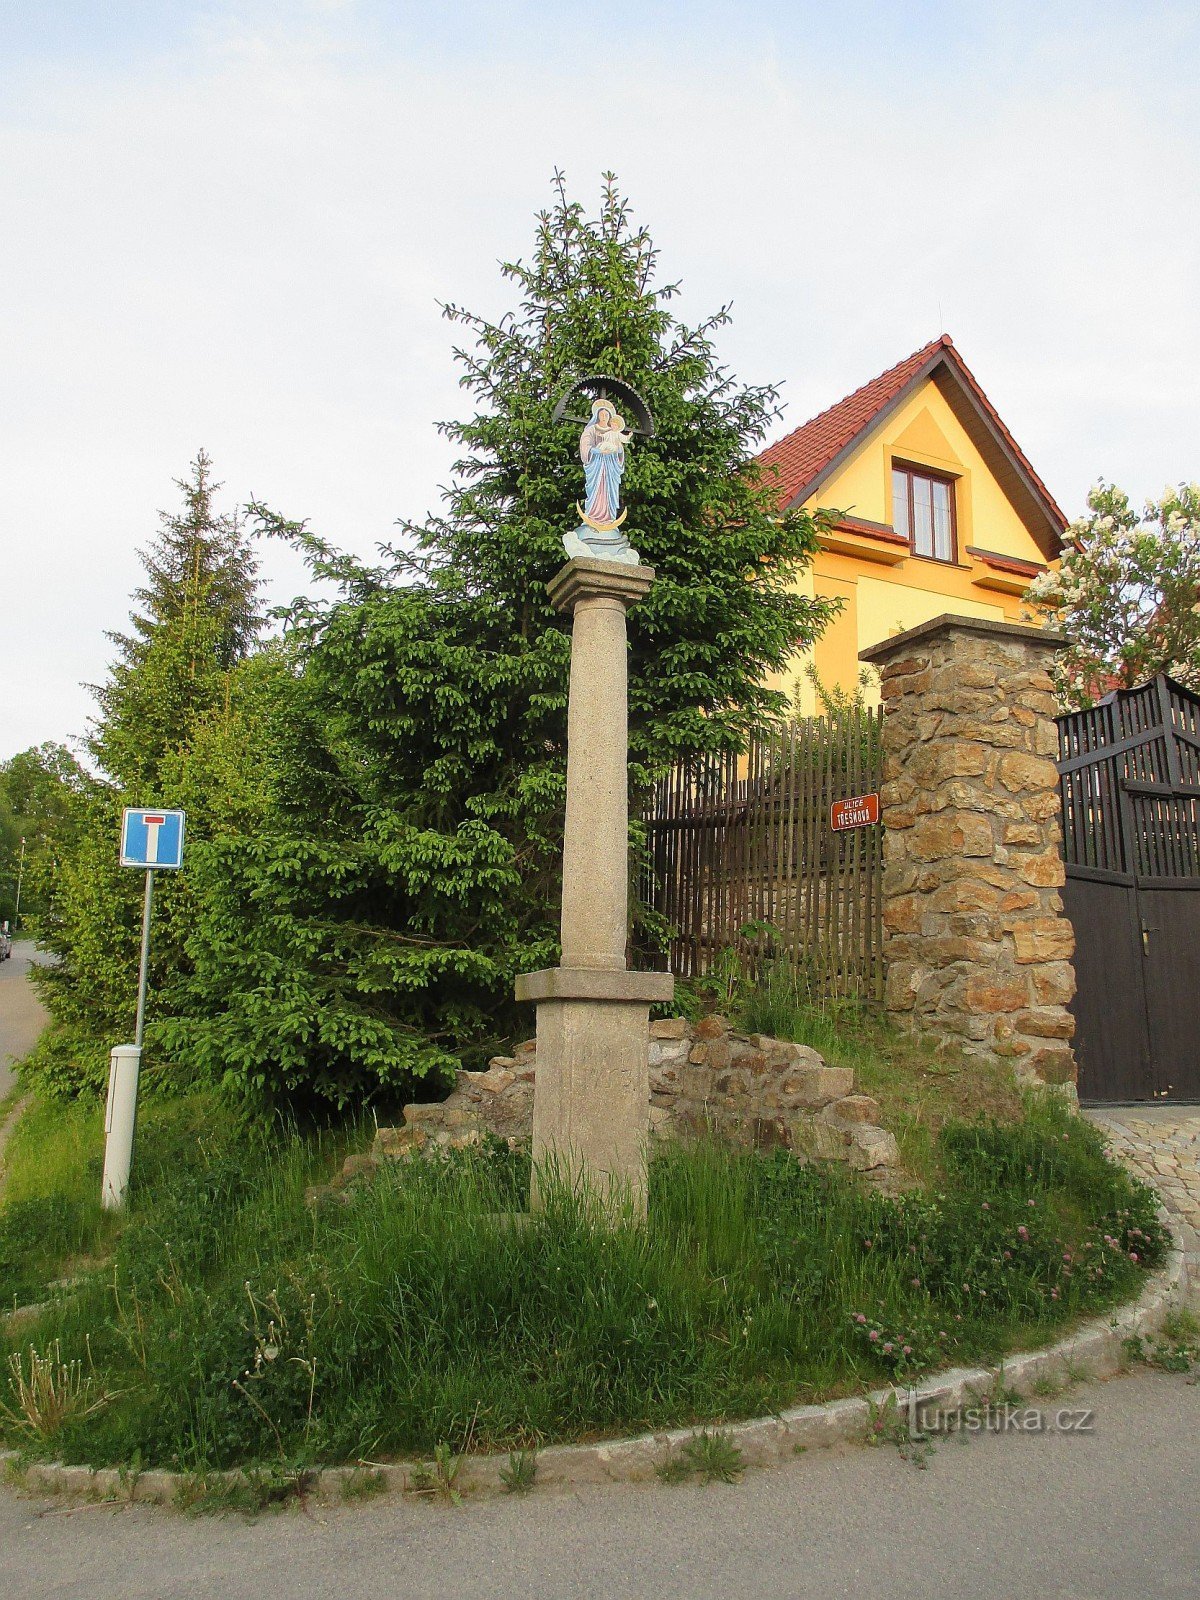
point(151, 838)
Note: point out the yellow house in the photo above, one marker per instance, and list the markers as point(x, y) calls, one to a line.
point(938, 508)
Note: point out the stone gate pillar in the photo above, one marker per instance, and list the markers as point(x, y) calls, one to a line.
point(591, 1107)
point(976, 944)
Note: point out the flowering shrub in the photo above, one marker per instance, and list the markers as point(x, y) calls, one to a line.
point(1126, 594)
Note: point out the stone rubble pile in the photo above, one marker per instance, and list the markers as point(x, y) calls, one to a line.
point(704, 1077)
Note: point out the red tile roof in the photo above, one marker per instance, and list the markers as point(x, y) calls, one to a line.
point(803, 454)
point(801, 459)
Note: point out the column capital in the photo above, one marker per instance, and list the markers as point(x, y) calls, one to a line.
point(584, 579)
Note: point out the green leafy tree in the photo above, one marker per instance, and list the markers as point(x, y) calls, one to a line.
point(41, 791)
point(1127, 594)
point(369, 935)
point(175, 675)
point(10, 857)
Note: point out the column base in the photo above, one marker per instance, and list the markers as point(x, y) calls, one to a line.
point(591, 1098)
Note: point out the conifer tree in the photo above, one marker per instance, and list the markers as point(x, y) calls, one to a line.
point(372, 934)
point(194, 620)
point(725, 613)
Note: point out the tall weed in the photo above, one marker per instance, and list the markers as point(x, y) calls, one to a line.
point(425, 1309)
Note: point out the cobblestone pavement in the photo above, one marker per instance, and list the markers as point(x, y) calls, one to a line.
point(1162, 1145)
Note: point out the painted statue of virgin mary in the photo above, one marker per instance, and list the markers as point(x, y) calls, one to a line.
point(602, 451)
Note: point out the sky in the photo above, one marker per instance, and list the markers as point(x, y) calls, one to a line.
point(232, 226)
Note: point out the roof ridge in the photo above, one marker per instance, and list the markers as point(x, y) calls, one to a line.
point(802, 458)
point(942, 341)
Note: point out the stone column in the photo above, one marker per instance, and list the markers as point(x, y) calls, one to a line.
point(976, 943)
point(591, 1106)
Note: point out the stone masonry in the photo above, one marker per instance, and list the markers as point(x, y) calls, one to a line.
point(977, 947)
point(745, 1088)
point(591, 1109)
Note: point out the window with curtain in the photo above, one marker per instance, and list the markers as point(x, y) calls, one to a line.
point(923, 511)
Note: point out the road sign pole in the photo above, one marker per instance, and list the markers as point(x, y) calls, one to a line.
point(144, 967)
point(153, 841)
point(125, 1063)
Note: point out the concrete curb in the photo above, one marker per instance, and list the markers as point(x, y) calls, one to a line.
point(1093, 1350)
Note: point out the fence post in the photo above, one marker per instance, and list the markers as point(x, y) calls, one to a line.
point(976, 943)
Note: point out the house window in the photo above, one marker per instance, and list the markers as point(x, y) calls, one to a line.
point(923, 511)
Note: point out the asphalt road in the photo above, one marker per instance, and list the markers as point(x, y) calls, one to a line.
point(22, 1017)
point(1056, 1516)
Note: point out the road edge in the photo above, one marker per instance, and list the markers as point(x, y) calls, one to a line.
point(1095, 1350)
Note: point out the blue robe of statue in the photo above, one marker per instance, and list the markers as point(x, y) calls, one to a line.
point(602, 478)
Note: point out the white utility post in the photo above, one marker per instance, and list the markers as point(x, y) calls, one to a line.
point(153, 841)
point(20, 880)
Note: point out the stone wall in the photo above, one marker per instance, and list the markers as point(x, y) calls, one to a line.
point(977, 947)
point(746, 1088)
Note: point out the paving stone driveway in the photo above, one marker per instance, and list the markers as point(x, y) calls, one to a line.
point(1162, 1145)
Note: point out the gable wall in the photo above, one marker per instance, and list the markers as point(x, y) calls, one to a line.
point(880, 600)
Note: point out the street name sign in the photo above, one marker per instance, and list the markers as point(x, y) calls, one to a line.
point(860, 811)
point(151, 839)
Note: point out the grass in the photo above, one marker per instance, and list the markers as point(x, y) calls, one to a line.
point(364, 1483)
point(234, 1323)
point(438, 1479)
point(1176, 1347)
point(259, 1489)
point(706, 1458)
point(52, 1226)
point(9, 1100)
point(920, 1088)
point(47, 1392)
point(521, 1473)
point(51, 1220)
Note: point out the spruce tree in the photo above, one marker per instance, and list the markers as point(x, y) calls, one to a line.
point(725, 613)
point(372, 934)
point(194, 620)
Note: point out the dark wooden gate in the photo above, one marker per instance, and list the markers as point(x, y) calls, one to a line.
point(1129, 775)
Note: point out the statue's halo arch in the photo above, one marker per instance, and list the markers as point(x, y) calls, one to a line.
point(596, 386)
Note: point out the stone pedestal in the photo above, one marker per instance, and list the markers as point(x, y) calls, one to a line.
point(591, 1100)
point(977, 946)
